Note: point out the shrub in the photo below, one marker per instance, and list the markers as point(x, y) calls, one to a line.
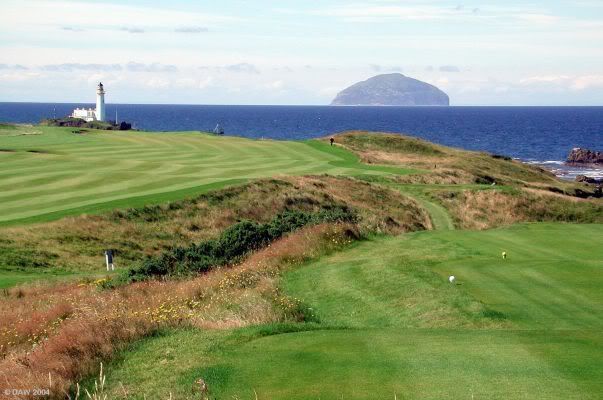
point(234, 243)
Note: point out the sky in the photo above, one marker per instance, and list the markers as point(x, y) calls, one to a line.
point(299, 52)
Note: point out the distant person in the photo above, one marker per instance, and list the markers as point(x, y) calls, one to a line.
point(332, 140)
point(504, 255)
point(109, 260)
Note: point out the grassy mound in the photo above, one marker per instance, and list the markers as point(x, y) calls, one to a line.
point(448, 165)
point(76, 244)
point(234, 244)
point(483, 209)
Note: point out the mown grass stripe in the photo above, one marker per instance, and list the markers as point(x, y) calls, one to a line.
point(104, 167)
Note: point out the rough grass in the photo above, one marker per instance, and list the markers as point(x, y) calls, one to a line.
point(446, 165)
point(77, 243)
point(65, 331)
point(486, 209)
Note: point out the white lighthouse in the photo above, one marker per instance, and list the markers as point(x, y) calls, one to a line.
point(100, 102)
point(88, 114)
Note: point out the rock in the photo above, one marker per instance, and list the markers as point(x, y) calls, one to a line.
point(391, 90)
point(588, 179)
point(584, 156)
point(202, 388)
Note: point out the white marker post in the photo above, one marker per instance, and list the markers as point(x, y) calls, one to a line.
point(109, 260)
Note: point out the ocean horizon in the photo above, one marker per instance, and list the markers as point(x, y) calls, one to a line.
point(541, 135)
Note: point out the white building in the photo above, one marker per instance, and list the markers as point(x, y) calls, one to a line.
point(88, 114)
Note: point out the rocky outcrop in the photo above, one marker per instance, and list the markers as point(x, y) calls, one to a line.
point(588, 179)
point(391, 90)
point(584, 156)
point(80, 123)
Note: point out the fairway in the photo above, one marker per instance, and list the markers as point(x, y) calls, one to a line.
point(550, 280)
point(48, 173)
point(528, 327)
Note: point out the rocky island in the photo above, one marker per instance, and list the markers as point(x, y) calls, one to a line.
point(391, 90)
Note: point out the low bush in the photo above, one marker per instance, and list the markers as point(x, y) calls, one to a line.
point(234, 243)
point(13, 257)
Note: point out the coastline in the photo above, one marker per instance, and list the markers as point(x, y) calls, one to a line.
point(566, 171)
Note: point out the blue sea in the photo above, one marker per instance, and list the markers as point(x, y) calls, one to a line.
point(539, 135)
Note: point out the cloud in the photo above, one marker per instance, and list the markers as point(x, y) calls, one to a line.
point(185, 82)
point(131, 67)
point(375, 67)
point(284, 68)
point(131, 29)
point(587, 82)
point(276, 85)
point(242, 67)
point(574, 82)
point(542, 19)
point(449, 68)
point(72, 28)
point(157, 83)
point(236, 68)
point(18, 76)
point(383, 68)
point(191, 29)
point(98, 77)
point(370, 12)
point(544, 79)
point(70, 67)
point(381, 11)
point(207, 82)
point(416, 11)
point(17, 67)
point(154, 67)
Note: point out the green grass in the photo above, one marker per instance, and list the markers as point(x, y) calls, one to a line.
point(409, 364)
point(440, 218)
point(11, 278)
point(49, 173)
point(551, 278)
point(522, 328)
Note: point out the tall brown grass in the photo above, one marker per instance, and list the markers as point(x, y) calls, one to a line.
point(78, 325)
point(486, 209)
